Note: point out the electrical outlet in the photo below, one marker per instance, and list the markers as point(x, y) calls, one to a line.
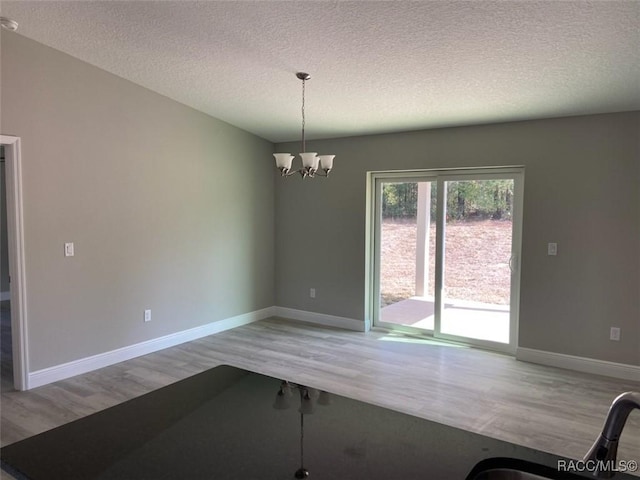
point(147, 315)
point(615, 334)
point(312, 292)
point(552, 249)
point(68, 250)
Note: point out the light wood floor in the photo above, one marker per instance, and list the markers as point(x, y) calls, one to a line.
point(552, 410)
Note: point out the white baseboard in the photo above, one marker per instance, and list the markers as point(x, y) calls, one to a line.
point(88, 364)
point(580, 364)
point(5, 296)
point(321, 319)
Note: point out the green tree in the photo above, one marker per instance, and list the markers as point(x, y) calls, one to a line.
point(399, 200)
point(480, 199)
point(466, 200)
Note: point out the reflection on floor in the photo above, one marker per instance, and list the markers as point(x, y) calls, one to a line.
point(462, 318)
point(6, 353)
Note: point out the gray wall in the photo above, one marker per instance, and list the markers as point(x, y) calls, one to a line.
point(169, 209)
point(582, 178)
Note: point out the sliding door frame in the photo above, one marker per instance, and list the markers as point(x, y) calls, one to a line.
point(373, 245)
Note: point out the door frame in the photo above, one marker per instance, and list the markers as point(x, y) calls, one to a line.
point(373, 235)
point(18, 289)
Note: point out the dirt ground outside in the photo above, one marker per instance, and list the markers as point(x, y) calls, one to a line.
point(476, 261)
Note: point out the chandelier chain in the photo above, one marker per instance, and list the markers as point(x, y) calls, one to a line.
point(303, 117)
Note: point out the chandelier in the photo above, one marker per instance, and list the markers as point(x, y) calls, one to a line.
point(310, 160)
point(308, 399)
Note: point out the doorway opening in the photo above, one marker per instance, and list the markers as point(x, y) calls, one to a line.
point(14, 308)
point(444, 253)
point(6, 349)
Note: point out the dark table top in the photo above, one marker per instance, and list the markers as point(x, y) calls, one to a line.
point(221, 424)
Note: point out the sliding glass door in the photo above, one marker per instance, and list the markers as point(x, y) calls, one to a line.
point(445, 254)
point(407, 219)
point(477, 251)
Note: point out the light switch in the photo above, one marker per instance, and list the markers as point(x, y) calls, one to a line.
point(615, 334)
point(68, 249)
point(552, 249)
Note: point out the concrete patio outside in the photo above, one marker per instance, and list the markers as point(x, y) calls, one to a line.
point(462, 318)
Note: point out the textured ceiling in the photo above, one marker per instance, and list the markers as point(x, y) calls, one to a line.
point(376, 66)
